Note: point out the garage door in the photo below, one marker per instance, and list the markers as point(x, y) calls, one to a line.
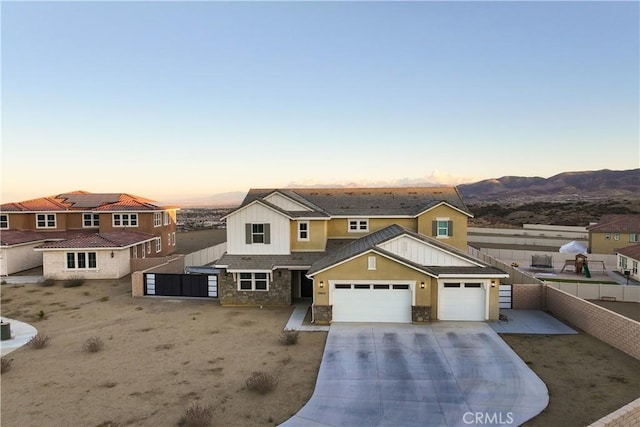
point(375, 302)
point(461, 301)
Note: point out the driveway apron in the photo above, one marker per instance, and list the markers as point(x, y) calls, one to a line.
point(443, 374)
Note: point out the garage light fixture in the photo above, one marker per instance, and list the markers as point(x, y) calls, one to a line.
point(493, 283)
point(321, 284)
point(422, 285)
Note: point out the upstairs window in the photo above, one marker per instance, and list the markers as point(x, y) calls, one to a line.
point(46, 221)
point(157, 219)
point(4, 222)
point(442, 227)
point(303, 230)
point(607, 236)
point(358, 225)
point(167, 218)
point(633, 237)
point(125, 220)
point(616, 236)
point(257, 234)
point(90, 220)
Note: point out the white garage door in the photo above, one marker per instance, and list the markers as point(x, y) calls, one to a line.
point(461, 301)
point(376, 302)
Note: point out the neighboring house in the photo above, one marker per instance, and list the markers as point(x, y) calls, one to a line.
point(81, 234)
point(613, 232)
point(628, 259)
point(367, 254)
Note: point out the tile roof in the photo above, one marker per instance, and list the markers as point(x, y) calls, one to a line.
point(82, 201)
point(111, 239)
point(401, 201)
point(614, 223)
point(17, 237)
point(632, 251)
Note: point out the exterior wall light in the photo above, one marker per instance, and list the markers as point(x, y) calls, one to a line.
point(112, 254)
point(493, 283)
point(421, 285)
point(321, 284)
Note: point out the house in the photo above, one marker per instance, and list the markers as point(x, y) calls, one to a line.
point(612, 232)
point(628, 259)
point(365, 254)
point(82, 234)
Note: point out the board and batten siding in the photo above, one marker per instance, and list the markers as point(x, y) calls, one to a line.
point(285, 203)
point(257, 214)
point(422, 254)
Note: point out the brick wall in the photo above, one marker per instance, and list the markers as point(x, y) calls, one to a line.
point(627, 416)
point(612, 328)
point(528, 296)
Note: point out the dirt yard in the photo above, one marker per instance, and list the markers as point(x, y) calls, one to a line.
point(159, 356)
point(587, 379)
point(191, 241)
point(627, 309)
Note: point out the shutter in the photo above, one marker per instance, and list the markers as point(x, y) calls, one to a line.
point(434, 228)
point(450, 228)
point(267, 234)
point(247, 233)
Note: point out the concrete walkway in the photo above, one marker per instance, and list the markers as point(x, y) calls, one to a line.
point(297, 319)
point(21, 280)
point(442, 374)
point(533, 322)
point(21, 333)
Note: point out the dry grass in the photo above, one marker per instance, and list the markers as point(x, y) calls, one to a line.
point(261, 382)
point(196, 416)
point(93, 345)
point(288, 337)
point(39, 341)
point(5, 364)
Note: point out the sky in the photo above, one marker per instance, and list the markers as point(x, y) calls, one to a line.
point(173, 99)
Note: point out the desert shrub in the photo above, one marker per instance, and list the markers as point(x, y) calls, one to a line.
point(5, 364)
point(48, 282)
point(93, 344)
point(41, 315)
point(39, 341)
point(104, 299)
point(288, 337)
point(73, 283)
point(261, 382)
point(196, 416)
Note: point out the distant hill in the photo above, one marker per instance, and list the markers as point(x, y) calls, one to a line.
point(568, 186)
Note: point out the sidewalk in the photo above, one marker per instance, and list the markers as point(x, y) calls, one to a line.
point(297, 319)
point(21, 334)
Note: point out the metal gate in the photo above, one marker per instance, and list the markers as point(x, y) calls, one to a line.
point(181, 285)
point(505, 296)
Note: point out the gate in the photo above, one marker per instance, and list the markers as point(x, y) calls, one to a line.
point(181, 285)
point(505, 296)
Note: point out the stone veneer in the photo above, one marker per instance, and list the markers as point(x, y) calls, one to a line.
point(420, 313)
point(322, 314)
point(279, 292)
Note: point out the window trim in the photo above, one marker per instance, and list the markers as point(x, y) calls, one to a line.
point(131, 217)
point(371, 263)
point(253, 280)
point(158, 244)
point(157, 219)
point(607, 236)
point(300, 231)
point(87, 259)
point(166, 217)
point(4, 221)
point(94, 220)
point(46, 220)
point(358, 223)
point(633, 237)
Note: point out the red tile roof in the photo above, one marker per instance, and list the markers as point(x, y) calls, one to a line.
point(83, 201)
point(17, 237)
point(632, 251)
point(614, 223)
point(111, 239)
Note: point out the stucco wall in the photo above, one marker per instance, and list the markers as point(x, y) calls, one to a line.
point(459, 237)
point(317, 236)
point(19, 258)
point(55, 265)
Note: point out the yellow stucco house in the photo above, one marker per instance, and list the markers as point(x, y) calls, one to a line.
point(612, 232)
point(360, 255)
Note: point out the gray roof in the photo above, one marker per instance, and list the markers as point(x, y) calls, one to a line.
point(371, 242)
point(400, 201)
point(303, 260)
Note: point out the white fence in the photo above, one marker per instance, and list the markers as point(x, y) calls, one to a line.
point(205, 256)
point(596, 291)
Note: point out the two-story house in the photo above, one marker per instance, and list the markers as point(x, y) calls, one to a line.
point(81, 234)
point(613, 231)
point(365, 254)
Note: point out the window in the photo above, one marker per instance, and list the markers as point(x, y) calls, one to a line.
point(157, 219)
point(143, 252)
point(303, 230)
point(358, 225)
point(400, 286)
point(616, 236)
point(452, 285)
point(173, 238)
point(380, 286)
point(623, 262)
point(252, 282)
point(90, 220)
point(442, 227)
point(167, 218)
point(361, 286)
point(125, 220)
point(46, 220)
point(158, 244)
point(634, 269)
point(81, 260)
point(473, 285)
point(258, 234)
point(371, 263)
point(134, 252)
point(148, 247)
point(342, 286)
point(607, 236)
point(4, 222)
point(633, 237)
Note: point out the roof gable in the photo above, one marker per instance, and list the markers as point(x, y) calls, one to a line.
point(286, 203)
point(423, 253)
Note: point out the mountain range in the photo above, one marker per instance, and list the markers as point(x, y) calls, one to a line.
point(567, 186)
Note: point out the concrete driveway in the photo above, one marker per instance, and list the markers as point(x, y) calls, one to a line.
point(444, 374)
